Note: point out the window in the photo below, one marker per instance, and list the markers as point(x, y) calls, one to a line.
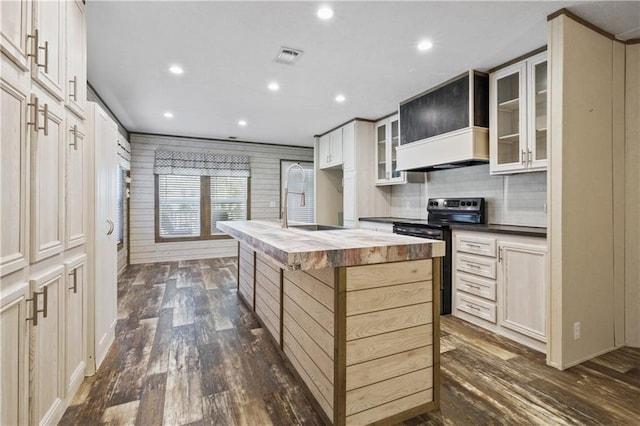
point(229, 196)
point(179, 206)
point(298, 213)
point(196, 190)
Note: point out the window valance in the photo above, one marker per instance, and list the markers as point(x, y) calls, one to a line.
point(201, 164)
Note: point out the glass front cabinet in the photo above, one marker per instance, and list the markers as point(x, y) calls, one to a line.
point(387, 140)
point(518, 116)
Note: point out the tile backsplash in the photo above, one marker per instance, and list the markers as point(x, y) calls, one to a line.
point(511, 200)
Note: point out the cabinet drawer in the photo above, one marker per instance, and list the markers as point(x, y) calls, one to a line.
point(476, 307)
point(476, 286)
point(477, 265)
point(476, 245)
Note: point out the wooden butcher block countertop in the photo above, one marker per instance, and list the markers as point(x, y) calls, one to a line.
point(299, 249)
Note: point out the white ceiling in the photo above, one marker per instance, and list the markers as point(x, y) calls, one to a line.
point(367, 52)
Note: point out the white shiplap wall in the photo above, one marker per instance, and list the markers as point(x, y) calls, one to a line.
point(264, 193)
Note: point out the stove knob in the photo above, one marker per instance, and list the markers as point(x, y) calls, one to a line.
point(435, 203)
point(475, 203)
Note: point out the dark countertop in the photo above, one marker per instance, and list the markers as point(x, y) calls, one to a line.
point(525, 231)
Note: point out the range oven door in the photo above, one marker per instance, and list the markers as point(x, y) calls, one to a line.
point(445, 264)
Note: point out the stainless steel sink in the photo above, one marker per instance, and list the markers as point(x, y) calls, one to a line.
point(316, 227)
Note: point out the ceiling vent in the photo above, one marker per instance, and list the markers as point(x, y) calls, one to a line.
point(288, 55)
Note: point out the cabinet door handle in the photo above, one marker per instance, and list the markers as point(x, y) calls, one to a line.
point(35, 103)
point(45, 304)
point(74, 130)
point(110, 231)
point(36, 107)
point(75, 281)
point(524, 153)
point(35, 46)
point(529, 156)
point(499, 254)
point(45, 113)
point(75, 88)
point(46, 57)
point(36, 49)
point(34, 299)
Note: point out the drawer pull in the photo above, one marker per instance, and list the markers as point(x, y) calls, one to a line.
point(475, 308)
point(474, 286)
point(474, 245)
point(469, 265)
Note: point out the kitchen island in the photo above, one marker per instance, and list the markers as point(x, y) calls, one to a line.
point(354, 312)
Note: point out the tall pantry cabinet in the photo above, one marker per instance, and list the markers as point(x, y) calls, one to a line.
point(44, 236)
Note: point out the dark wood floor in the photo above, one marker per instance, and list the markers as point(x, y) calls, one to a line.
point(188, 352)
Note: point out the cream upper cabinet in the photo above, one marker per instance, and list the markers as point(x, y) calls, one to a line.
point(330, 149)
point(518, 116)
point(15, 31)
point(47, 178)
point(14, 356)
point(349, 146)
point(523, 278)
point(14, 173)
point(48, 61)
point(387, 136)
point(75, 184)
point(76, 58)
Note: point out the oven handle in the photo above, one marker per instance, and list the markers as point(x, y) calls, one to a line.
point(432, 237)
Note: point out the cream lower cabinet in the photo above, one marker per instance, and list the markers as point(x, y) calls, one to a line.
point(499, 283)
point(47, 389)
point(75, 342)
point(14, 355)
point(523, 278)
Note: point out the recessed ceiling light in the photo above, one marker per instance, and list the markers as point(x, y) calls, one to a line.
point(340, 98)
point(176, 69)
point(273, 86)
point(325, 13)
point(425, 45)
point(168, 114)
point(242, 123)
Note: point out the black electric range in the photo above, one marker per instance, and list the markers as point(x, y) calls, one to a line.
point(441, 212)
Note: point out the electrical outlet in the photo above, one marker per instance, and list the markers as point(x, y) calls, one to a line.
point(576, 330)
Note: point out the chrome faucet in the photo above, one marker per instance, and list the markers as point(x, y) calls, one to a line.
point(285, 196)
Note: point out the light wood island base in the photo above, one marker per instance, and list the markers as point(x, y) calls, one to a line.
point(364, 340)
